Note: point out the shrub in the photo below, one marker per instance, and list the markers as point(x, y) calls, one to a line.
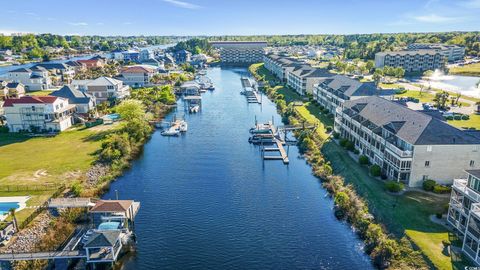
point(428, 185)
point(330, 115)
point(329, 129)
point(76, 189)
point(356, 152)
point(336, 135)
point(439, 189)
point(375, 170)
point(439, 216)
point(449, 117)
point(350, 146)
point(363, 160)
point(465, 117)
point(393, 186)
point(457, 117)
point(343, 142)
point(3, 129)
point(321, 107)
point(400, 91)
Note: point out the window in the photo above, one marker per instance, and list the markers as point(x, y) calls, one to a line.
point(472, 163)
point(427, 163)
point(429, 148)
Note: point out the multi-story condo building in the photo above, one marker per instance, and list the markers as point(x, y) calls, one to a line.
point(34, 78)
point(464, 213)
point(103, 88)
point(411, 61)
point(38, 113)
point(280, 66)
point(137, 76)
point(334, 91)
point(409, 146)
point(451, 52)
point(240, 52)
point(302, 78)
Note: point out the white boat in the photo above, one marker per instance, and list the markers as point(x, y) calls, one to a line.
point(183, 126)
point(194, 109)
point(170, 132)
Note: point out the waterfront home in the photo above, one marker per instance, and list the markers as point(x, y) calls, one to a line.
point(103, 88)
point(92, 63)
point(83, 101)
point(334, 91)
point(11, 90)
point(62, 73)
point(38, 113)
point(145, 55)
point(190, 88)
point(464, 213)
point(138, 75)
point(303, 78)
point(451, 53)
point(240, 52)
point(77, 66)
point(182, 56)
point(34, 78)
point(411, 61)
point(409, 146)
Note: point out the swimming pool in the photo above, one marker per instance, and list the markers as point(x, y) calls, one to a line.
point(108, 226)
point(6, 206)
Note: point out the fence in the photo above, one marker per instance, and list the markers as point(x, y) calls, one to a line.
point(44, 187)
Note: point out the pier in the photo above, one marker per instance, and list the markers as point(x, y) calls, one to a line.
point(250, 90)
point(283, 154)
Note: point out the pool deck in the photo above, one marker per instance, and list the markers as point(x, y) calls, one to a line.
point(21, 200)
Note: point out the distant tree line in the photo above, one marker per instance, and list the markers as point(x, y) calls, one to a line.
point(194, 45)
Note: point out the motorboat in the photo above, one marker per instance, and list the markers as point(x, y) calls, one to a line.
point(183, 126)
point(194, 109)
point(170, 132)
point(261, 128)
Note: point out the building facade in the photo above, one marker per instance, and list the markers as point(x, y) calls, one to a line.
point(38, 114)
point(104, 88)
point(464, 213)
point(241, 52)
point(137, 76)
point(84, 102)
point(451, 52)
point(409, 146)
point(303, 78)
point(411, 61)
point(280, 66)
point(34, 78)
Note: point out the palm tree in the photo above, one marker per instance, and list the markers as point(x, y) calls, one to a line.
point(14, 218)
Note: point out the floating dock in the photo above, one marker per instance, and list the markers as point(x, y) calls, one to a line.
point(250, 90)
point(283, 154)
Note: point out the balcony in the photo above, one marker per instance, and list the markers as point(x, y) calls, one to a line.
point(397, 151)
point(461, 185)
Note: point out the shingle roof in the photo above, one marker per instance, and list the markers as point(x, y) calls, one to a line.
point(475, 173)
point(104, 81)
point(111, 206)
point(103, 239)
point(351, 87)
point(21, 70)
point(13, 84)
point(73, 95)
point(411, 52)
point(411, 126)
point(137, 69)
point(29, 100)
point(60, 66)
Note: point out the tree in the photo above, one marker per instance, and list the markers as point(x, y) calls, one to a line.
point(399, 72)
point(370, 65)
point(14, 218)
point(377, 76)
point(131, 109)
point(441, 99)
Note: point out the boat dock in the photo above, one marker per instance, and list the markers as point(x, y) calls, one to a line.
point(283, 154)
point(250, 90)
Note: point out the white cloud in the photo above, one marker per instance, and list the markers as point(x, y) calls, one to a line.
point(78, 23)
point(31, 13)
point(8, 32)
point(434, 18)
point(182, 4)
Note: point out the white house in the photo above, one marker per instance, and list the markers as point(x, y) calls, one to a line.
point(34, 78)
point(38, 113)
point(138, 75)
point(103, 88)
point(83, 101)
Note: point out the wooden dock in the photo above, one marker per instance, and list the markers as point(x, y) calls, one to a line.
point(283, 154)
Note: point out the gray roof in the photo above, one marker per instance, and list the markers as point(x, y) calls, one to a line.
point(308, 71)
point(475, 173)
point(351, 87)
point(411, 126)
point(60, 66)
point(73, 95)
point(13, 84)
point(21, 70)
point(103, 239)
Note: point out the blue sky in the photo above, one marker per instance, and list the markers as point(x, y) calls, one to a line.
point(238, 17)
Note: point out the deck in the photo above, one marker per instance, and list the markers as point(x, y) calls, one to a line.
point(47, 255)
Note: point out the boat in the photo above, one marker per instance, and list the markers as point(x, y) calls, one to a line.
point(170, 132)
point(261, 138)
point(262, 128)
point(194, 109)
point(211, 87)
point(183, 126)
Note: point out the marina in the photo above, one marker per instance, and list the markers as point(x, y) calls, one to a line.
point(197, 191)
point(250, 90)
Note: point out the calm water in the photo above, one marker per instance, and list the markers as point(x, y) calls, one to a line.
point(209, 202)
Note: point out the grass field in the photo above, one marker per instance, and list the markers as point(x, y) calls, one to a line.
point(40, 93)
point(407, 214)
point(472, 69)
point(473, 122)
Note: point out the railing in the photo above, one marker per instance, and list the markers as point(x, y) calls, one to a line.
point(398, 152)
point(461, 185)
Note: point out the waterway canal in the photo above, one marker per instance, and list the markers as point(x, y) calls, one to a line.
point(209, 202)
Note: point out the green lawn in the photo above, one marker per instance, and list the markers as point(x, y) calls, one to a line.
point(472, 69)
point(407, 214)
point(424, 97)
point(473, 122)
point(35, 161)
point(40, 93)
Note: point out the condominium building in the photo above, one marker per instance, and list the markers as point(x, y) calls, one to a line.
point(464, 213)
point(409, 146)
point(280, 66)
point(38, 113)
point(240, 52)
point(334, 91)
point(451, 52)
point(411, 61)
point(302, 78)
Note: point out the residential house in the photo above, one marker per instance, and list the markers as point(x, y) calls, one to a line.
point(38, 113)
point(409, 146)
point(332, 92)
point(303, 78)
point(182, 56)
point(92, 63)
point(464, 213)
point(62, 73)
point(84, 102)
point(13, 90)
point(145, 55)
point(131, 56)
point(138, 75)
point(103, 88)
point(77, 66)
point(34, 78)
